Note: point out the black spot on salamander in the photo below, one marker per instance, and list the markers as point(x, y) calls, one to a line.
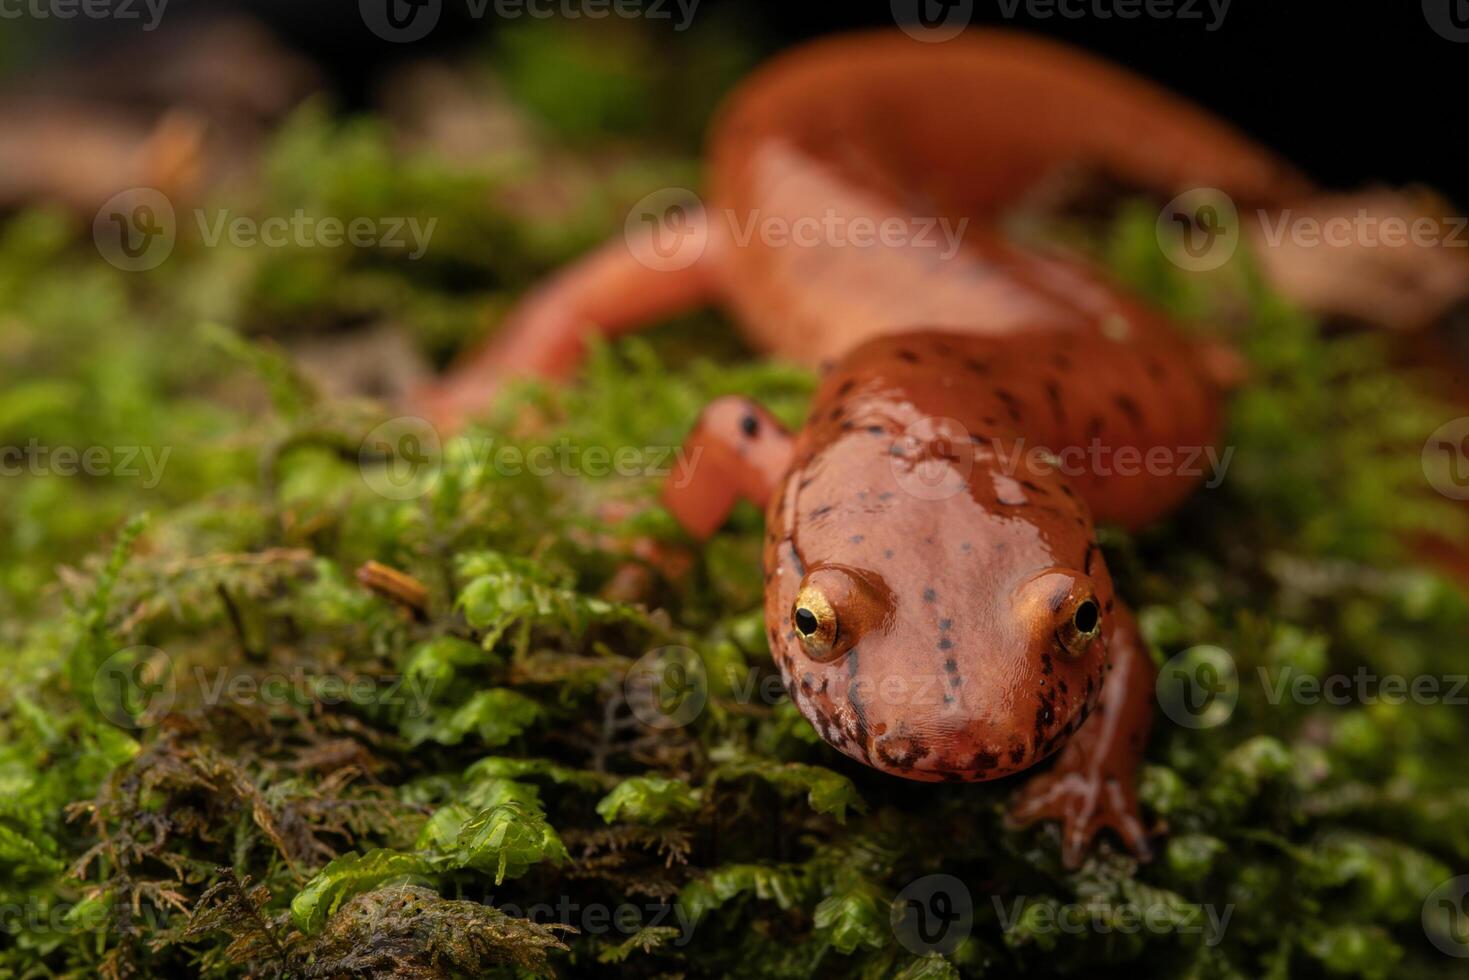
point(1033, 488)
point(929, 595)
point(1011, 403)
point(846, 387)
point(887, 553)
point(901, 751)
point(1108, 606)
point(1053, 394)
point(835, 413)
point(1094, 428)
point(876, 430)
point(951, 665)
point(1047, 667)
point(977, 366)
point(885, 496)
point(1129, 408)
point(946, 644)
point(1061, 361)
point(908, 356)
point(750, 425)
point(1063, 686)
point(955, 681)
point(857, 539)
point(983, 762)
point(944, 624)
point(1017, 753)
point(1068, 491)
point(990, 420)
point(848, 425)
point(966, 547)
point(819, 512)
point(796, 562)
point(1091, 552)
point(808, 682)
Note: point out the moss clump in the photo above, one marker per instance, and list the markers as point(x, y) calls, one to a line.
point(223, 755)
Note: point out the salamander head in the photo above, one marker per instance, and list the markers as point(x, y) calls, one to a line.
point(938, 640)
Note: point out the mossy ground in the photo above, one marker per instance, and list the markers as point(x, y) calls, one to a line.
point(487, 760)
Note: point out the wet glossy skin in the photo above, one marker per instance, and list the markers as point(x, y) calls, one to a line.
point(970, 557)
point(940, 578)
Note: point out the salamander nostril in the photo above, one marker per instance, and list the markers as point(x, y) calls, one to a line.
point(806, 621)
point(1086, 617)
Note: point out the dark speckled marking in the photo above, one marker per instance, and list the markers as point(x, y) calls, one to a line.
point(944, 624)
point(946, 644)
point(1129, 408)
point(1053, 395)
point(1011, 403)
point(977, 366)
point(908, 356)
point(887, 553)
point(857, 538)
point(929, 595)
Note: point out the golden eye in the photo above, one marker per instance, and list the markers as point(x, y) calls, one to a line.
point(815, 622)
point(1081, 626)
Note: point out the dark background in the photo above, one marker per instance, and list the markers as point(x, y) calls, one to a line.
point(1352, 92)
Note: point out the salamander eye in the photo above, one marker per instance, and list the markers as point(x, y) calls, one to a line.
point(1082, 625)
point(816, 625)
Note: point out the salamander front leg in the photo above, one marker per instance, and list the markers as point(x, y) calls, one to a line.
point(736, 451)
point(1093, 783)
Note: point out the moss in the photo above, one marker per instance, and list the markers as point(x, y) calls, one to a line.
point(164, 813)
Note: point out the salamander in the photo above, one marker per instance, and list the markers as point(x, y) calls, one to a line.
point(935, 598)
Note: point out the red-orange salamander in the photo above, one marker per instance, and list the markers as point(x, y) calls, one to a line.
point(935, 597)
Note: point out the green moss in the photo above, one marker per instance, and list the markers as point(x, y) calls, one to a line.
point(1317, 828)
